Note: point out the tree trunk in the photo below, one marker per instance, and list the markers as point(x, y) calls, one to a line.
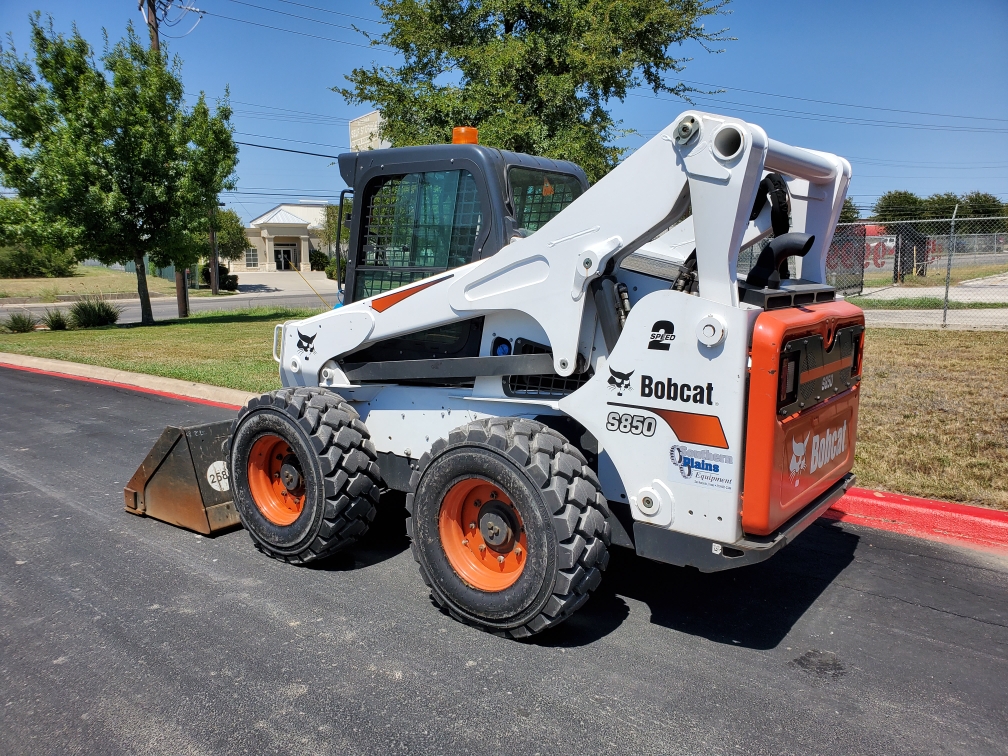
point(146, 313)
point(180, 294)
point(214, 260)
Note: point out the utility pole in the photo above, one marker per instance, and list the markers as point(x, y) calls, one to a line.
point(214, 258)
point(181, 293)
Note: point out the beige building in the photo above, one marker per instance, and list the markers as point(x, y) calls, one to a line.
point(282, 238)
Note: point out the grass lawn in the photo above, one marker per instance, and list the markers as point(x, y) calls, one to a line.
point(934, 407)
point(219, 348)
point(86, 280)
point(936, 275)
point(921, 303)
point(934, 415)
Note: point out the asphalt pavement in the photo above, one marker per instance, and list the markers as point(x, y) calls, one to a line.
point(120, 634)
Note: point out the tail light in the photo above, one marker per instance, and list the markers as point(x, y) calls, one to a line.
point(788, 390)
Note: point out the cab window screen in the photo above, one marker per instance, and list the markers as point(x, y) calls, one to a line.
point(539, 195)
point(416, 225)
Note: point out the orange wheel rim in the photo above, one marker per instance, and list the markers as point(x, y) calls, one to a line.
point(276, 480)
point(482, 535)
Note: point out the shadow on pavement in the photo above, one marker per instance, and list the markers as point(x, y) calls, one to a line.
point(385, 539)
point(256, 288)
point(754, 607)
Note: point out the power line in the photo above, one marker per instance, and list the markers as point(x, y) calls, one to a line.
point(303, 34)
point(845, 104)
point(828, 118)
point(286, 139)
point(291, 15)
point(335, 13)
point(284, 149)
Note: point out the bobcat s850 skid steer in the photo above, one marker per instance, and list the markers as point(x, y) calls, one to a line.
point(549, 370)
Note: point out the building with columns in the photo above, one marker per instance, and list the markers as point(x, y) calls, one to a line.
point(282, 238)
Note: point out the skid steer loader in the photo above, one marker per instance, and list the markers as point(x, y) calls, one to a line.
point(549, 370)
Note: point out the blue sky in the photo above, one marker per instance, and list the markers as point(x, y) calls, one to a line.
point(836, 76)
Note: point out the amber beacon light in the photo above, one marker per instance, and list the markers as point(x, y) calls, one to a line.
point(465, 135)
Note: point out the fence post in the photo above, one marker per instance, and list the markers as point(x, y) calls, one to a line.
point(948, 267)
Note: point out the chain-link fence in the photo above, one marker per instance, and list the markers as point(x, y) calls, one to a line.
point(844, 262)
point(935, 273)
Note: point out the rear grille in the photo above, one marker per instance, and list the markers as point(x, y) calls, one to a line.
point(544, 385)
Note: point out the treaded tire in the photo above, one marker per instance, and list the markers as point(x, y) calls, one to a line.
point(340, 470)
point(565, 516)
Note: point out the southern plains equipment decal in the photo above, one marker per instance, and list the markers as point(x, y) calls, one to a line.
point(702, 467)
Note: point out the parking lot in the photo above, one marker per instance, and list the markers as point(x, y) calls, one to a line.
point(126, 635)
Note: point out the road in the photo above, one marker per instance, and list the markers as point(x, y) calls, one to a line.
point(257, 290)
point(124, 635)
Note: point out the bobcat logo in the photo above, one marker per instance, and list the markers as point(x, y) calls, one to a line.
point(798, 457)
point(620, 381)
point(306, 344)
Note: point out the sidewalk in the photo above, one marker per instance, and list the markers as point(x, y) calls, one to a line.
point(958, 320)
point(989, 289)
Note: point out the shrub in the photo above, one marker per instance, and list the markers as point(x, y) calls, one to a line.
point(229, 283)
point(21, 322)
point(222, 274)
point(332, 270)
point(317, 259)
point(25, 262)
point(93, 311)
point(55, 319)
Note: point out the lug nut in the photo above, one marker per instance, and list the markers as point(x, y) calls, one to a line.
point(482, 547)
point(518, 551)
point(465, 541)
point(500, 560)
point(472, 526)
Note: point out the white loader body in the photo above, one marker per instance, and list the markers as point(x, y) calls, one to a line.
point(667, 408)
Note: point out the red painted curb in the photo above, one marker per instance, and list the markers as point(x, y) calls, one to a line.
point(924, 518)
point(114, 384)
point(934, 520)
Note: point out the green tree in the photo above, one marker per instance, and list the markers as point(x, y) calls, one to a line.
point(109, 151)
point(212, 159)
point(328, 232)
point(231, 239)
point(22, 224)
point(532, 76)
point(940, 205)
point(899, 205)
point(30, 247)
point(849, 213)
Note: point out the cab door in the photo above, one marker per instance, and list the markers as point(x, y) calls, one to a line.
point(415, 225)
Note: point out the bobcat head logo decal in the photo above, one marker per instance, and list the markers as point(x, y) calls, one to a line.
point(798, 456)
point(306, 344)
point(620, 381)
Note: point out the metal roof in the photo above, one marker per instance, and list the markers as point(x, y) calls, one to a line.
point(280, 216)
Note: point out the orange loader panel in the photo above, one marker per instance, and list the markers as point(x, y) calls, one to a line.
point(804, 386)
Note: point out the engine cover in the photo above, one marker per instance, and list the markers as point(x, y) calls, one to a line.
point(804, 386)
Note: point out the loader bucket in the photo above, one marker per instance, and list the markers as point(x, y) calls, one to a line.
point(184, 480)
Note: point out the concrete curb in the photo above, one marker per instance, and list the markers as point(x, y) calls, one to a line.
point(151, 384)
point(959, 524)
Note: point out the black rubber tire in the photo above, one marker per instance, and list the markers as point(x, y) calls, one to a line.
point(340, 471)
point(565, 515)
